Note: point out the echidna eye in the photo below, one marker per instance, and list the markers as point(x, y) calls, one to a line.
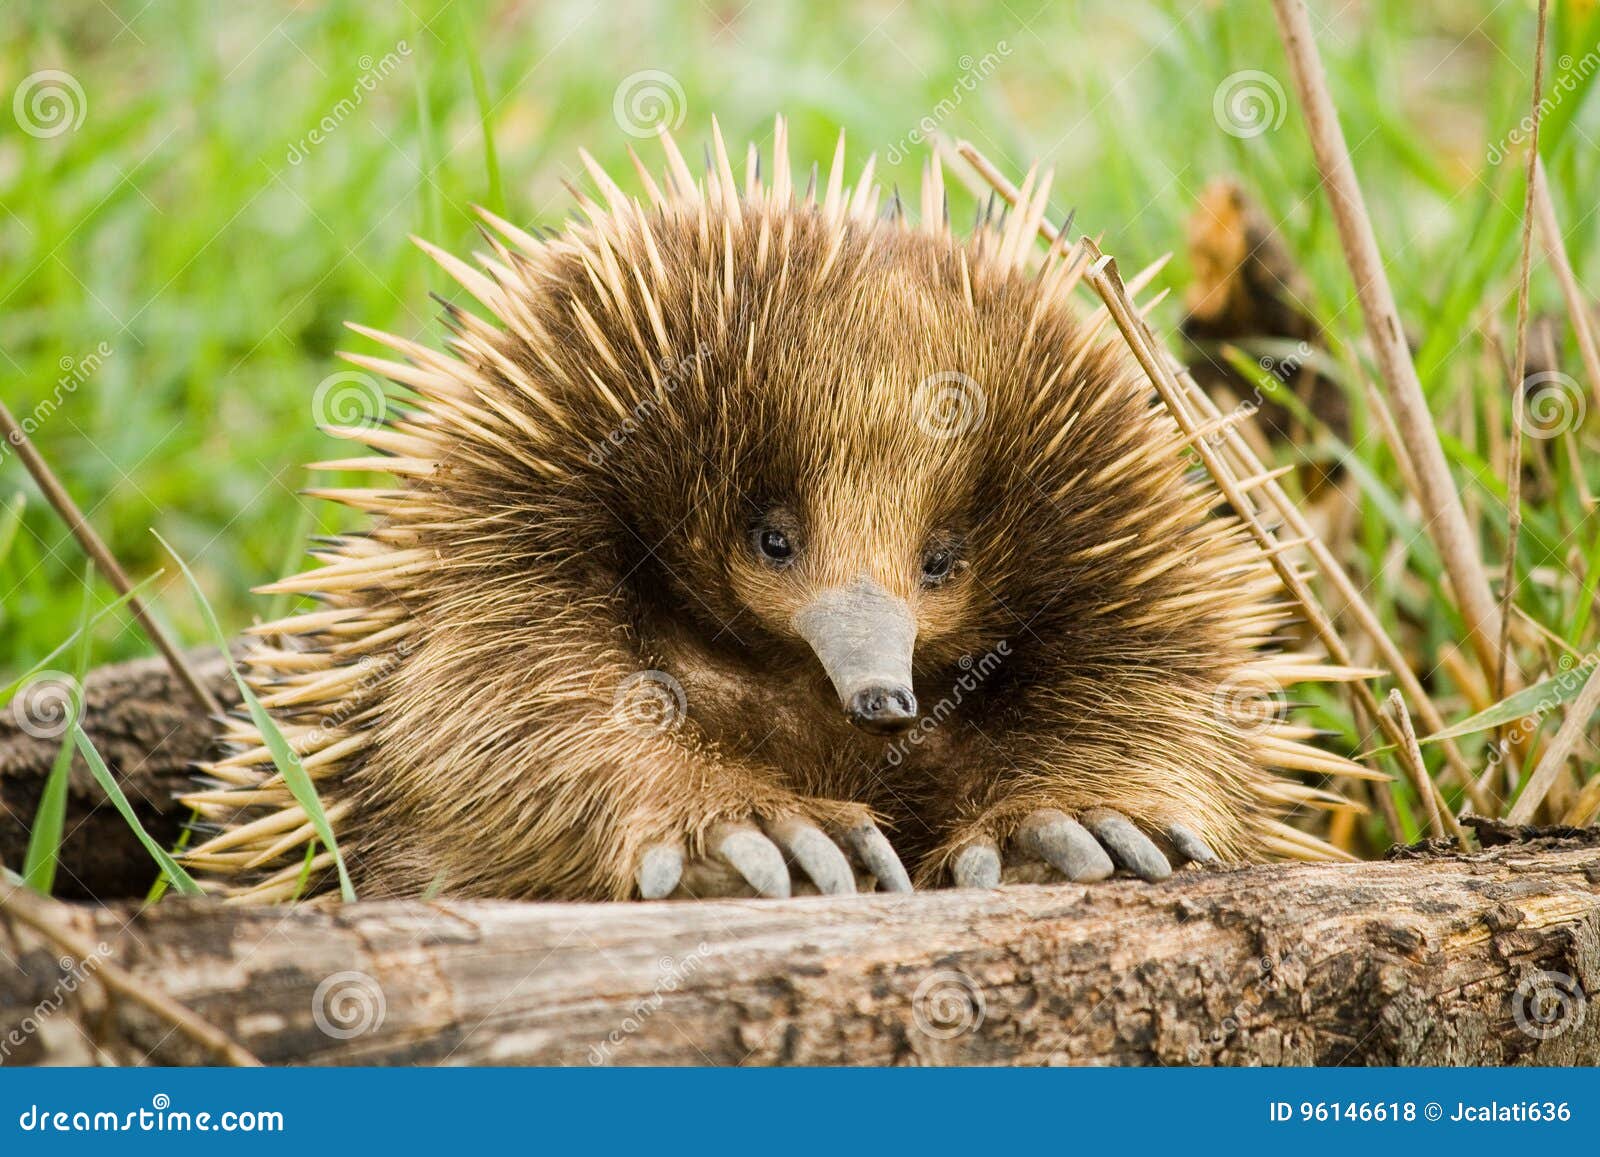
point(937, 565)
point(774, 546)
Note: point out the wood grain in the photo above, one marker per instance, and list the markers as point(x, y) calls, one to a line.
point(1409, 961)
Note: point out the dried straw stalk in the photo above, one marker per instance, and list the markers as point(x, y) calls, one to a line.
point(1445, 516)
point(1561, 265)
point(1508, 585)
point(56, 495)
point(1440, 821)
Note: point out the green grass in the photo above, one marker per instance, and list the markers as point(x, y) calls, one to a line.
point(284, 758)
point(170, 869)
point(49, 821)
point(173, 226)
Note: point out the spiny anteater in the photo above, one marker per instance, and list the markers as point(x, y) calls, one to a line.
point(752, 520)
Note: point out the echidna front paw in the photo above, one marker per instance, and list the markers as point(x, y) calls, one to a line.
point(1051, 844)
point(773, 859)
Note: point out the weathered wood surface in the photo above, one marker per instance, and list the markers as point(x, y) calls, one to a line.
point(149, 731)
point(1483, 959)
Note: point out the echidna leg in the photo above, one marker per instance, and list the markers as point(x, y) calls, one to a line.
point(1129, 847)
point(872, 850)
point(773, 860)
point(1189, 844)
point(660, 869)
point(1051, 844)
point(977, 865)
point(1065, 844)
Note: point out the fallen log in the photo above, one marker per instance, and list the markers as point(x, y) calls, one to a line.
point(1487, 958)
point(148, 730)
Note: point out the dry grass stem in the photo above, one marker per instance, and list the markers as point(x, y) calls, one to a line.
point(1445, 516)
point(56, 495)
point(1102, 276)
point(1508, 587)
point(1440, 821)
point(1578, 305)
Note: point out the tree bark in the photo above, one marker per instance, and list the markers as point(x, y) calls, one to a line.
point(148, 729)
point(1432, 959)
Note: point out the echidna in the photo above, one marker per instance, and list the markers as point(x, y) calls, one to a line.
point(750, 524)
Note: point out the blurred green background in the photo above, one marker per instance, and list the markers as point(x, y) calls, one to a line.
point(195, 196)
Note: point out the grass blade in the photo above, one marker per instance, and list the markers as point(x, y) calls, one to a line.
point(1591, 579)
point(432, 216)
point(284, 758)
point(181, 880)
point(10, 523)
point(304, 878)
point(1539, 699)
point(159, 888)
point(281, 603)
point(480, 93)
point(49, 821)
point(43, 854)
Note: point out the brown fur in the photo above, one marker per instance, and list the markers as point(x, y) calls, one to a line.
point(758, 354)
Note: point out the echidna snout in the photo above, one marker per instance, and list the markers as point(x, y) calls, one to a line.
point(864, 635)
point(883, 710)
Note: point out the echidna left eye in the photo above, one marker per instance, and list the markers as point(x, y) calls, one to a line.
point(937, 565)
point(775, 546)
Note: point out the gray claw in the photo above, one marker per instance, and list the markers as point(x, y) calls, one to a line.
point(872, 848)
point(1062, 842)
point(820, 857)
point(1131, 847)
point(977, 865)
point(1189, 844)
point(660, 869)
point(754, 857)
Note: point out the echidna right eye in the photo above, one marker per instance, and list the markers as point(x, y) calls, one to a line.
point(774, 546)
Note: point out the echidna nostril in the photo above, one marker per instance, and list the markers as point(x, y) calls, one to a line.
point(883, 710)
